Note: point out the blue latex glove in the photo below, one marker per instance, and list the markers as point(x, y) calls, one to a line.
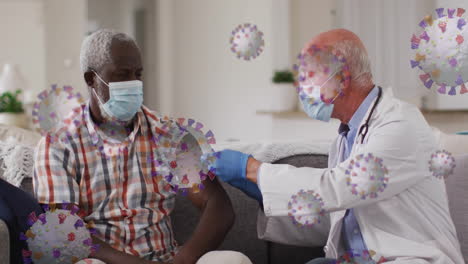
point(249, 188)
point(231, 167)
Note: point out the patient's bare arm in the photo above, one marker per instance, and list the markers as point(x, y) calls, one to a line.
point(110, 255)
point(216, 220)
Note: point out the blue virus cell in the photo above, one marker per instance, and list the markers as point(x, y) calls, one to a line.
point(441, 51)
point(360, 257)
point(53, 106)
point(366, 176)
point(306, 208)
point(247, 41)
point(57, 236)
point(441, 164)
point(185, 155)
point(315, 67)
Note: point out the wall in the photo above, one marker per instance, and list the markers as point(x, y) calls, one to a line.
point(22, 27)
point(386, 28)
point(209, 83)
point(105, 14)
point(309, 18)
point(115, 14)
point(65, 27)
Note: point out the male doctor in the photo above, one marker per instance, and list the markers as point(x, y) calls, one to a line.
point(405, 220)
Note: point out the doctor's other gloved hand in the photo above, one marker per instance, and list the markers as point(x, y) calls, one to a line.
point(231, 167)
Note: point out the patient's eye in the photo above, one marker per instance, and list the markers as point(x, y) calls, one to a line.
point(139, 74)
point(123, 75)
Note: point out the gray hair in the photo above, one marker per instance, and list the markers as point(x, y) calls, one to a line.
point(357, 60)
point(95, 49)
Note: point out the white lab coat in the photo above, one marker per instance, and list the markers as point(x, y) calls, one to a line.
point(409, 222)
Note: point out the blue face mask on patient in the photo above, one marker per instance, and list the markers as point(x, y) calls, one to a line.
point(125, 99)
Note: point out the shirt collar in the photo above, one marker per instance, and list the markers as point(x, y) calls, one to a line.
point(362, 110)
point(92, 127)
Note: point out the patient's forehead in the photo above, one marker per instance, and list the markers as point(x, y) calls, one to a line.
point(125, 54)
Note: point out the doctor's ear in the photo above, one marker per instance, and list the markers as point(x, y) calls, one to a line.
point(345, 86)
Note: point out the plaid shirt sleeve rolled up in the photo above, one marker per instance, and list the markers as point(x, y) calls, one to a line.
point(114, 183)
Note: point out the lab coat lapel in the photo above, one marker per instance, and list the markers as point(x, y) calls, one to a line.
point(337, 151)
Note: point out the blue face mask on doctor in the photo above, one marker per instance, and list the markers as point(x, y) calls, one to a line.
point(125, 99)
point(313, 104)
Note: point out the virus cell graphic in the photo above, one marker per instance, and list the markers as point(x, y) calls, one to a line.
point(441, 164)
point(364, 257)
point(54, 106)
point(315, 68)
point(186, 157)
point(441, 51)
point(57, 236)
point(247, 41)
point(67, 129)
point(306, 208)
point(90, 261)
point(366, 175)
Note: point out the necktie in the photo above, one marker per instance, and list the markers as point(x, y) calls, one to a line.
point(343, 129)
point(350, 233)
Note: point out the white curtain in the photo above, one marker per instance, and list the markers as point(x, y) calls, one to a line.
point(386, 27)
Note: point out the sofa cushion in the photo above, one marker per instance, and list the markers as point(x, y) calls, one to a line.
point(4, 243)
point(16, 161)
point(26, 137)
point(16, 144)
point(243, 235)
point(457, 186)
point(280, 253)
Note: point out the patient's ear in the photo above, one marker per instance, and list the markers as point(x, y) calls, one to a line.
point(89, 78)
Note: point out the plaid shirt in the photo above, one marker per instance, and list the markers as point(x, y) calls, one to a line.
point(111, 181)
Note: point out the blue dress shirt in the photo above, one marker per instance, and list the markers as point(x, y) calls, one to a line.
point(351, 233)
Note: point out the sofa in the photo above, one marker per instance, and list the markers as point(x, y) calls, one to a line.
point(243, 235)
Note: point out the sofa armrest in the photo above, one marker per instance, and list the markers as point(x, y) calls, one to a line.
point(4, 243)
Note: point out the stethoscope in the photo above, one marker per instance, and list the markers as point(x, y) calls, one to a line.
point(365, 128)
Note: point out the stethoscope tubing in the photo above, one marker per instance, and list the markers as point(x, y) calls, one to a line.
point(365, 128)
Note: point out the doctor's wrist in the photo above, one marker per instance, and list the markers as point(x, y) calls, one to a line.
point(252, 169)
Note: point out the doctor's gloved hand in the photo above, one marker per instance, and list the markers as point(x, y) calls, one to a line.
point(249, 188)
point(231, 167)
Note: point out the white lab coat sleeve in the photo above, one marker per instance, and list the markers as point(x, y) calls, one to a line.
point(282, 230)
point(396, 142)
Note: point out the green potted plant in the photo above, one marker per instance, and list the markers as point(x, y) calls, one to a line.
point(283, 77)
point(11, 110)
point(283, 95)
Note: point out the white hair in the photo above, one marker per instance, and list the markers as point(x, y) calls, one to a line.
point(95, 49)
point(358, 62)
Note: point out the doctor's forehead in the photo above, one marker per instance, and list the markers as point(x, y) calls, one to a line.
point(331, 37)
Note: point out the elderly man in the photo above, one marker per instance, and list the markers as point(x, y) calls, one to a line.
point(383, 202)
point(102, 160)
